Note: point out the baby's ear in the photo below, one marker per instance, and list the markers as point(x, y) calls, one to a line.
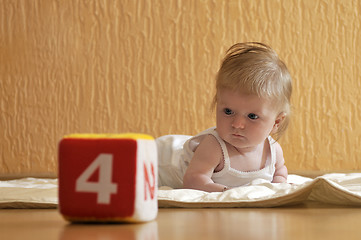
point(278, 121)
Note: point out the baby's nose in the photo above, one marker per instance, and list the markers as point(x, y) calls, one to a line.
point(239, 122)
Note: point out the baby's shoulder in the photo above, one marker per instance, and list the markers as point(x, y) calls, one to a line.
point(278, 152)
point(277, 148)
point(210, 141)
point(210, 146)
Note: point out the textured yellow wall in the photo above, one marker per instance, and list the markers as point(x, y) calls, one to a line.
point(149, 66)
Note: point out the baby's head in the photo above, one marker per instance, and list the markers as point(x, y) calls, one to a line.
point(255, 68)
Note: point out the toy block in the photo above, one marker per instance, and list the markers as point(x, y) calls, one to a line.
point(108, 178)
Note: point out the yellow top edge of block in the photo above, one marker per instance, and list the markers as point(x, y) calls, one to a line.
point(134, 136)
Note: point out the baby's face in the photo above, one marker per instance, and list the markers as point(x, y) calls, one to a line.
point(244, 120)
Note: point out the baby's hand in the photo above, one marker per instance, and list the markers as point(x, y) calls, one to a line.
point(279, 179)
point(226, 188)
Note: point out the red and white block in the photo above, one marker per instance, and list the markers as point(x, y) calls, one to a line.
point(108, 178)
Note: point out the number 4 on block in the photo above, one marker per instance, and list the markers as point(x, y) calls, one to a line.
point(104, 187)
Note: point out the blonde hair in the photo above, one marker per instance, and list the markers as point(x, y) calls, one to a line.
point(255, 68)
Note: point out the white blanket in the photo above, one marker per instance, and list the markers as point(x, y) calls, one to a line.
point(336, 188)
point(340, 189)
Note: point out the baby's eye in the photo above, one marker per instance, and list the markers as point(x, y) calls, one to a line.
point(228, 111)
point(252, 116)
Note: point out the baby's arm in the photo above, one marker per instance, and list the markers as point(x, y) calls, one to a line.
point(281, 172)
point(205, 159)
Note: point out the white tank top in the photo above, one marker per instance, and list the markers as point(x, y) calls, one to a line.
point(229, 176)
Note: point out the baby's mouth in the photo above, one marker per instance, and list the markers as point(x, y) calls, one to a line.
point(237, 135)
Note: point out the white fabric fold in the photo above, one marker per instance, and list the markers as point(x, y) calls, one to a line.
point(29, 193)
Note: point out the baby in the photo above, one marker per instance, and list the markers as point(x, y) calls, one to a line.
point(252, 102)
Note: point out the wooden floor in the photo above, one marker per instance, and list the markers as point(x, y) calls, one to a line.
point(308, 221)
